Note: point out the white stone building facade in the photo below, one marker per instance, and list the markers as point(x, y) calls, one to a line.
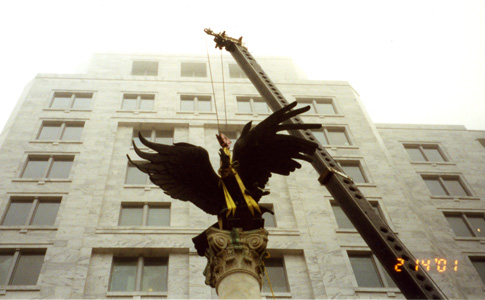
point(76, 221)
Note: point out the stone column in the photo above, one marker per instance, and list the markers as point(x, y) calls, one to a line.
point(234, 262)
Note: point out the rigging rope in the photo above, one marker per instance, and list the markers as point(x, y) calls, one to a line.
point(212, 83)
point(266, 255)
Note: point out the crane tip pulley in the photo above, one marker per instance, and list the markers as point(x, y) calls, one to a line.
point(222, 40)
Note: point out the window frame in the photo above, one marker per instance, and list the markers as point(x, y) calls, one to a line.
point(359, 163)
point(62, 129)
point(327, 129)
point(145, 209)
point(153, 135)
point(73, 96)
point(139, 98)
point(195, 99)
point(192, 72)
point(477, 258)
point(464, 216)
point(140, 264)
point(34, 201)
point(145, 71)
point(440, 177)
point(269, 206)
point(51, 158)
point(421, 147)
point(148, 181)
point(283, 264)
point(381, 272)
point(313, 101)
point(252, 107)
point(16, 255)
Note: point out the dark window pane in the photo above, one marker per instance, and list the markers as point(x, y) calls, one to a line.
point(433, 154)
point(434, 186)
point(60, 169)
point(243, 106)
point(35, 168)
point(454, 187)
point(325, 108)
point(124, 275)
point(131, 216)
point(415, 154)
point(478, 225)
point(343, 221)
point(320, 136)
point(479, 265)
point(354, 172)
point(365, 271)
point(72, 133)
point(458, 225)
point(269, 220)
point(46, 213)
point(50, 132)
point(5, 261)
point(61, 101)
point(135, 176)
point(17, 213)
point(337, 137)
point(158, 216)
point(154, 275)
point(277, 275)
point(28, 269)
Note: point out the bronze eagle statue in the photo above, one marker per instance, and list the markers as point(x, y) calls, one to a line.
point(184, 171)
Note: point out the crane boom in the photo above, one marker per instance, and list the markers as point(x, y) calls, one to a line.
point(386, 246)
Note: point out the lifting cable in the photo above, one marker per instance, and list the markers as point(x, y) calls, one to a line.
point(212, 83)
point(266, 255)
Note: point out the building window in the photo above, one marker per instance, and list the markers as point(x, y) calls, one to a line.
point(20, 267)
point(318, 106)
point(430, 153)
point(332, 136)
point(354, 170)
point(75, 101)
point(149, 68)
point(252, 105)
point(443, 185)
point(54, 131)
point(146, 274)
point(466, 224)
point(193, 69)
point(343, 222)
point(479, 264)
point(236, 72)
point(31, 211)
point(269, 218)
point(138, 102)
point(56, 166)
point(275, 267)
point(368, 271)
point(136, 177)
point(156, 136)
point(482, 142)
point(144, 215)
point(195, 103)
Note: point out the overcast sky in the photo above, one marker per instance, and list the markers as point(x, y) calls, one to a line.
point(411, 61)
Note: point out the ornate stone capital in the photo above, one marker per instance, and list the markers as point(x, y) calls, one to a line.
point(234, 251)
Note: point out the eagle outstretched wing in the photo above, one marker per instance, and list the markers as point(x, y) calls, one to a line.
point(184, 172)
point(261, 150)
